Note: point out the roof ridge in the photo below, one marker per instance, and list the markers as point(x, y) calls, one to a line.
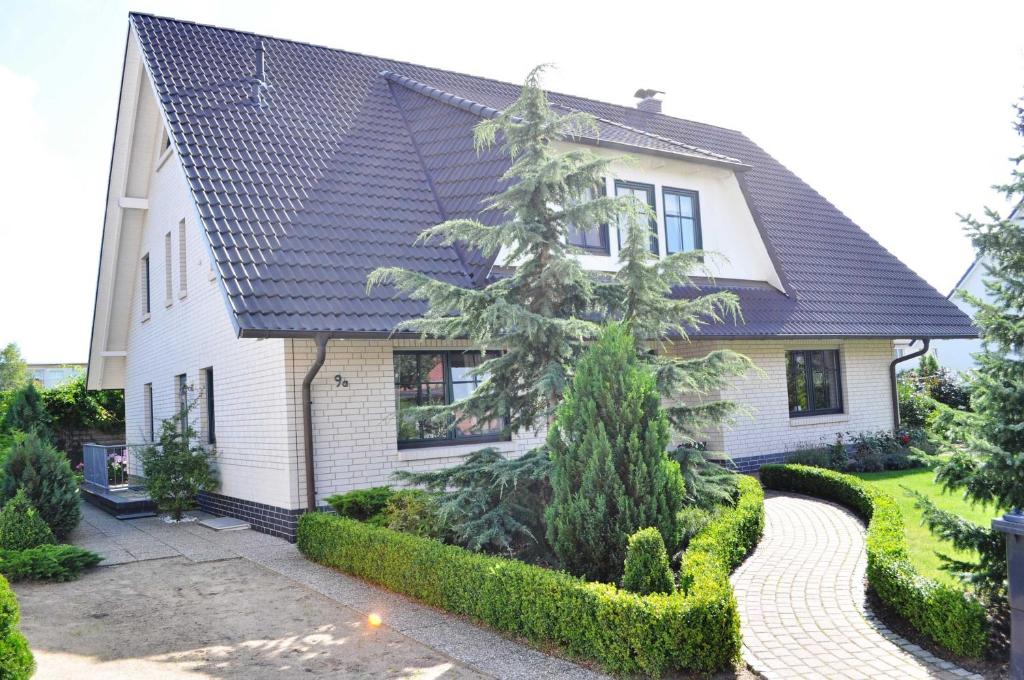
point(485, 111)
point(662, 138)
point(306, 43)
point(476, 108)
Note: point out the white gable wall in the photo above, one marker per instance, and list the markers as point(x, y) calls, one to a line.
point(255, 436)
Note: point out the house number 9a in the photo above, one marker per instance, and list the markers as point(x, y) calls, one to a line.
point(339, 381)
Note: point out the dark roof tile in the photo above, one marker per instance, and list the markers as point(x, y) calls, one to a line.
point(348, 158)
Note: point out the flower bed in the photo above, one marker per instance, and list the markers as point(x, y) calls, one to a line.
point(946, 614)
point(694, 629)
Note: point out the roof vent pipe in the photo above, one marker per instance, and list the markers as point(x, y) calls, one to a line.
point(257, 83)
point(649, 101)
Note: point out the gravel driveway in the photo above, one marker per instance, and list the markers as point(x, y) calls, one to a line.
point(184, 601)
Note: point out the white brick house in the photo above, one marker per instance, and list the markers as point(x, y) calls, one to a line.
point(255, 182)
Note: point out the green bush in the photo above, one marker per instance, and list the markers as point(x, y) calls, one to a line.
point(27, 413)
point(610, 472)
point(820, 457)
point(646, 569)
point(21, 526)
point(179, 467)
point(361, 504)
point(415, 512)
point(946, 614)
point(16, 662)
point(626, 633)
point(690, 521)
point(915, 406)
point(47, 563)
point(45, 475)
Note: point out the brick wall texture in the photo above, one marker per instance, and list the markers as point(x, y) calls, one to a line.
point(258, 383)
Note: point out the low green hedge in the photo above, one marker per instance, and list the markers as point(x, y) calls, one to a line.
point(944, 613)
point(16, 662)
point(696, 629)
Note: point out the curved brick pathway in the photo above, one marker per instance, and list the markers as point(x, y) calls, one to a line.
point(802, 602)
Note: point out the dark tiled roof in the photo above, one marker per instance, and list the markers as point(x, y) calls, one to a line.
point(345, 158)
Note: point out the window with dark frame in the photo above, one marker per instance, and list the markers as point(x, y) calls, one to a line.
point(436, 378)
point(211, 424)
point(145, 284)
point(814, 381)
point(593, 239)
point(682, 220)
point(644, 192)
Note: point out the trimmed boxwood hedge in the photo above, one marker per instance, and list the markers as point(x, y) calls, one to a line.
point(946, 614)
point(696, 629)
point(16, 662)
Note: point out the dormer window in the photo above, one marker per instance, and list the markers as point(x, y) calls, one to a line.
point(593, 239)
point(644, 192)
point(682, 220)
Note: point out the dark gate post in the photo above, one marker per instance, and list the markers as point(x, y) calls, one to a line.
point(1012, 524)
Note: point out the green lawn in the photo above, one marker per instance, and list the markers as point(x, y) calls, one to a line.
point(922, 544)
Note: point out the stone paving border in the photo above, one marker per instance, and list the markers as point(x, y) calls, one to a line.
point(803, 608)
point(123, 541)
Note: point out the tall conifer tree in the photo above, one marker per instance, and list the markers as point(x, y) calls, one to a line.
point(611, 475)
point(991, 470)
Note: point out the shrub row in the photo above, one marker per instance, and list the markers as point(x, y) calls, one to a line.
point(694, 629)
point(944, 613)
point(16, 660)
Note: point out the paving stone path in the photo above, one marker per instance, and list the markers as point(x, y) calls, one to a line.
point(802, 601)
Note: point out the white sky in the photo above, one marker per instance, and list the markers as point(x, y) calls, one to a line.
point(899, 113)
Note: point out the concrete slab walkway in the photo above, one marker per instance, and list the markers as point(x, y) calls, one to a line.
point(802, 602)
point(428, 642)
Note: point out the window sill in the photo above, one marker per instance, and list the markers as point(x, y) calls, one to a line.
point(182, 295)
point(145, 317)
point(451, 449)
point(823, 419)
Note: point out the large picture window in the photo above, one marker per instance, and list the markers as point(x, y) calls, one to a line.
point(435, 379)
point(644, 192)
point(814, 381)
point(592, 239)
point(682, 220)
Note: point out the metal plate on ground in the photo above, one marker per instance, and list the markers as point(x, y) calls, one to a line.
point(224, 523)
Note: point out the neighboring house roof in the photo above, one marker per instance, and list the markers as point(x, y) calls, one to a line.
point(345, 158)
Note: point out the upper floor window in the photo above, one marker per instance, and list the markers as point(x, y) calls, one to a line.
point(145, 285)
point(592, 239)
point(814, 382)
point(436, 378)
point(645, 193)
point(682, 220)
point(168, 283)
point(182, 262)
